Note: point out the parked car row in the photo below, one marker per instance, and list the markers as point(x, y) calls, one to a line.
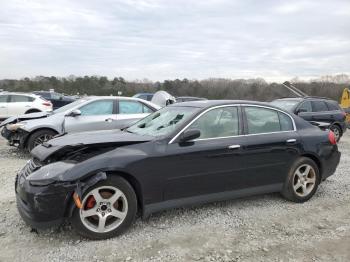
point(86, 114)
point(12, 104)
point(317, 109)
point(183, 154)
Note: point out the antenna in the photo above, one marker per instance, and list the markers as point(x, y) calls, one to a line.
point(294, 90)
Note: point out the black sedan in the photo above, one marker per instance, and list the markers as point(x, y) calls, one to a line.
point(184, 154)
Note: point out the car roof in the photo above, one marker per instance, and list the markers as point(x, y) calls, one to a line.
point(19, 93)
point(211, 103)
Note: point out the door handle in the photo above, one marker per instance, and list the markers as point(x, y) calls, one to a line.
point(2, 106)
point(234, 146)
point(109, 120)
point(27, 106)
point(291, 141)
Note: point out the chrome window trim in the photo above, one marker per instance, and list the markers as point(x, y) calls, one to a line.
point(234, 105)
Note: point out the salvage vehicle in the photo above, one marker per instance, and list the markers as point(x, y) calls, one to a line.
point(58, 100)
point(12, 104)
point(316, 109)
point(86, 114)
point(182, 155)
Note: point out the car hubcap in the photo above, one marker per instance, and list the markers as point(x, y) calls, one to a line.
point(304, 180)
point(42, 139)
point(103, 209)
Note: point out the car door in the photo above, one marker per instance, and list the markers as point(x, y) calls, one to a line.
point(95, 115)
point(3, 106)
point(19, 104)
point(210, 164)
point(272, 144)
point(320, 111)
point(130, 111)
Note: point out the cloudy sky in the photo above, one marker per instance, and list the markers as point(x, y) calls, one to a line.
point(167, 39)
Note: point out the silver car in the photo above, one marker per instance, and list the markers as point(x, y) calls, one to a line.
point(86, 114)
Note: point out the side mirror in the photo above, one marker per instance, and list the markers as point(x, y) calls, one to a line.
point(301, 110)
point(74, 113)
point(189, 135)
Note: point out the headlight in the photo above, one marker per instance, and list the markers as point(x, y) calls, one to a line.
point(14, 127)
point(49, 174)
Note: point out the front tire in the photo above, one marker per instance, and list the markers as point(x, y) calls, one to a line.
point(39, 137)
point(302, 181)
point(108, 209)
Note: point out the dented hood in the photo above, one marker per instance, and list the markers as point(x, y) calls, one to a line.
point(15, 119)
point(111, 137)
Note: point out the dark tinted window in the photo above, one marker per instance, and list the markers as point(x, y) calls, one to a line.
point(306, 106)
point(319, 106)
point(45, 95)
point(333, 106)
point(3, 99)
point(220, 122)
point(286, 122)
point(19, 98)
point(262, 120)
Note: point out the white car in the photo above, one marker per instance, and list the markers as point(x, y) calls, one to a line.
point(13, 104)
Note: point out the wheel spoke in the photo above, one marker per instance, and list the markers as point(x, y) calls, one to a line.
point(297, 186)
point(96, 195)
point(118, 214)
point(307, 170)
point(89, 212)
point(310, 180)
point(101, 223)
point(299, 174)
point(115, 197)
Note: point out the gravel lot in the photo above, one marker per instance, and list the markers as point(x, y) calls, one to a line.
point(264, 227)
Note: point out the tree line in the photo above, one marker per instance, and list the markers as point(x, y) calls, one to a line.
point(213, 88)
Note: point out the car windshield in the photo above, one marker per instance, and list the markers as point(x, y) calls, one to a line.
point(285, 104)
point(163, 122)
point(70, 106)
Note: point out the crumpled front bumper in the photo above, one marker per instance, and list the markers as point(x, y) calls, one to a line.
point(42, 206)
point(15, 138)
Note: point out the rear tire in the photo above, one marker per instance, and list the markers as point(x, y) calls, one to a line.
point(302, 181)
point(108, 209)
point(337, 131)
point(39, 137)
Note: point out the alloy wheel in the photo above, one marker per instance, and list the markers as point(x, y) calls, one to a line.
point(336, 132)
point(41, 139)
point(304, 180)
point(103, 209)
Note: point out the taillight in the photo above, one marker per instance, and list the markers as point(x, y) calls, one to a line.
point(47, 104)
point(331, 138)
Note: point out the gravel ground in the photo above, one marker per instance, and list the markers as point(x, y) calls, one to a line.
point(260, 228)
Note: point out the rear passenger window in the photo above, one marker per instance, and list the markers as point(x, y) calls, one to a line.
point(319, 106)
point(332, 106)
point(18, 98)
point(133, 107)
point(286, 122)
point(262, 120)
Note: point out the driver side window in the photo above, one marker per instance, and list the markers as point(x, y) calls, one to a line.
point(306, 106)
point(219, 122)
point(102, 107)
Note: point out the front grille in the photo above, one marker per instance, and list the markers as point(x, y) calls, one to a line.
point(31, 166)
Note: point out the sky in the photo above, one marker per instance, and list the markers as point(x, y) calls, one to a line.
point(168, 39)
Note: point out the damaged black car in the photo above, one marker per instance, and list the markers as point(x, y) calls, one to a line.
point(182, 155)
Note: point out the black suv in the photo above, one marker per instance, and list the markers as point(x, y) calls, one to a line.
point(57, 100)
point(316, 109)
